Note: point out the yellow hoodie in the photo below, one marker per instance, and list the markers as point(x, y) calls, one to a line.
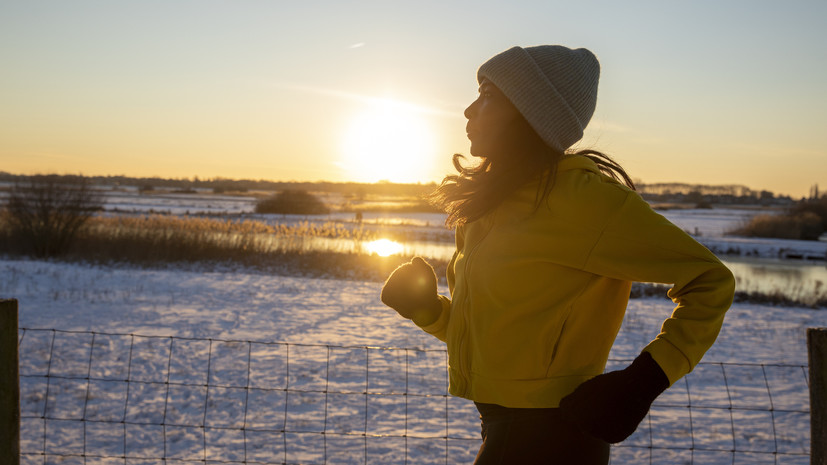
point(537, 297)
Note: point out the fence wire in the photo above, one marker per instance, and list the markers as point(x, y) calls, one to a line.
point(117, 398)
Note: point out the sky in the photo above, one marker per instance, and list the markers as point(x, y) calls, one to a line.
point(704, 92)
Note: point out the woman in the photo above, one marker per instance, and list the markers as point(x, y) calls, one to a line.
point(548, 244)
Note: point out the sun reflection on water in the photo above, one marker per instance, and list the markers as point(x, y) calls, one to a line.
point(384, 247)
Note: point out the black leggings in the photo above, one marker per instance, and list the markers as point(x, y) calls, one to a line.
point(535, 436)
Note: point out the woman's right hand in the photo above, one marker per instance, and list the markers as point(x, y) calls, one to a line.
point(411, 291)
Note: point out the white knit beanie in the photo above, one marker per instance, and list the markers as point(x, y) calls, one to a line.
point(553, 87)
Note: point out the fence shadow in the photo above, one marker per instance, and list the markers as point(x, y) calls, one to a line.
point(126, 398)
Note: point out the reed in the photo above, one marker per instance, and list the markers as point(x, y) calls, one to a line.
point(805, 220)
point(327, 249)
point(173, 238)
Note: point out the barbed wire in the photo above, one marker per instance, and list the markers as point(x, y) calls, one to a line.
point(125, 398)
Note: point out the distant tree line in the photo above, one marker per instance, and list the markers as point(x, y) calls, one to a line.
point(707, 195)
point(654, 192)
point(219, 184)
point(668, 188)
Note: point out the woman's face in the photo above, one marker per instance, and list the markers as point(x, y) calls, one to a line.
point(492, 123)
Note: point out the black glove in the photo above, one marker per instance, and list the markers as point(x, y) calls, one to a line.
point(610, 406)
point(411, 290)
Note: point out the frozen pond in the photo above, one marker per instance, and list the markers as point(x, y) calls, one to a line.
point(792, 278)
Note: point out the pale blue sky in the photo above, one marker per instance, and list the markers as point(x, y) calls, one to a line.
point(702, 92)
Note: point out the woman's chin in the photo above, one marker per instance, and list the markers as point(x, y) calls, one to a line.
point(475, 151)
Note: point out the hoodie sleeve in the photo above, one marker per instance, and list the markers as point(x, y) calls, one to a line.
point(640, 245)
point(439, 327)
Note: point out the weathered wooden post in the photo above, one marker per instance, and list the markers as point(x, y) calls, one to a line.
point(9, 384)
point(817, 353)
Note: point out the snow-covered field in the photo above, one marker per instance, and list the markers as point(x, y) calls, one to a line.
point(347, 315)
point(249, 305)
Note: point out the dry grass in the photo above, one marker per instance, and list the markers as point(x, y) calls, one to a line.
point(308, 249)
point(806, 220)
point(799, 225)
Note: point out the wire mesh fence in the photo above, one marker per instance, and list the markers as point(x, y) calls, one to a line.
point(92, 397)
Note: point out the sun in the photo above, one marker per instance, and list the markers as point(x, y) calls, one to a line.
point(390, 141)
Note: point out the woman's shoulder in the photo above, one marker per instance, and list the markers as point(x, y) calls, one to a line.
point(580, 181)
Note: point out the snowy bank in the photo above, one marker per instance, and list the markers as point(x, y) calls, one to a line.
point(766, 248)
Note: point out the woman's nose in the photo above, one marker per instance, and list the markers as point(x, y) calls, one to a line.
point(470, 110)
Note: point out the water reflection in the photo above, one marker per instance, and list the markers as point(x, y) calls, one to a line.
point(800, 280)
point(384, 247)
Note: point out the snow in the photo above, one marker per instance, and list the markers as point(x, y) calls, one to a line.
point(249, 305)
point(177, 203)
point(768, 248)
point(714, 222)
point(312, 314)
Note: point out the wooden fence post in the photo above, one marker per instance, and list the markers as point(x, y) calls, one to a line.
point(9, 384)
point(817, 353)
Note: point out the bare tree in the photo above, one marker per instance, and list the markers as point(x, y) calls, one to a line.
point(46, 212)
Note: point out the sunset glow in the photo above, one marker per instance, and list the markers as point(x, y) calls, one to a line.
point(384, 247)
point(366, 92)
point(388, 141)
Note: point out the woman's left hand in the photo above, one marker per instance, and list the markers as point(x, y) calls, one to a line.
point(411, 290)
point(610, 406)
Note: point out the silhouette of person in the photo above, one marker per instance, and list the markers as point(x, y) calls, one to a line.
point(548, 243)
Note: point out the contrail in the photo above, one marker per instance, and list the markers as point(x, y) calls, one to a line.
point(379, 101)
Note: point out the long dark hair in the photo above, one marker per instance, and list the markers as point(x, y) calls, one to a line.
point(476, 190)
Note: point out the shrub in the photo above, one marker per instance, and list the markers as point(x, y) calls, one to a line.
point(805, 220)
point(816, 207)
point(799, 225)
point(45, 213)
point(292, 202)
